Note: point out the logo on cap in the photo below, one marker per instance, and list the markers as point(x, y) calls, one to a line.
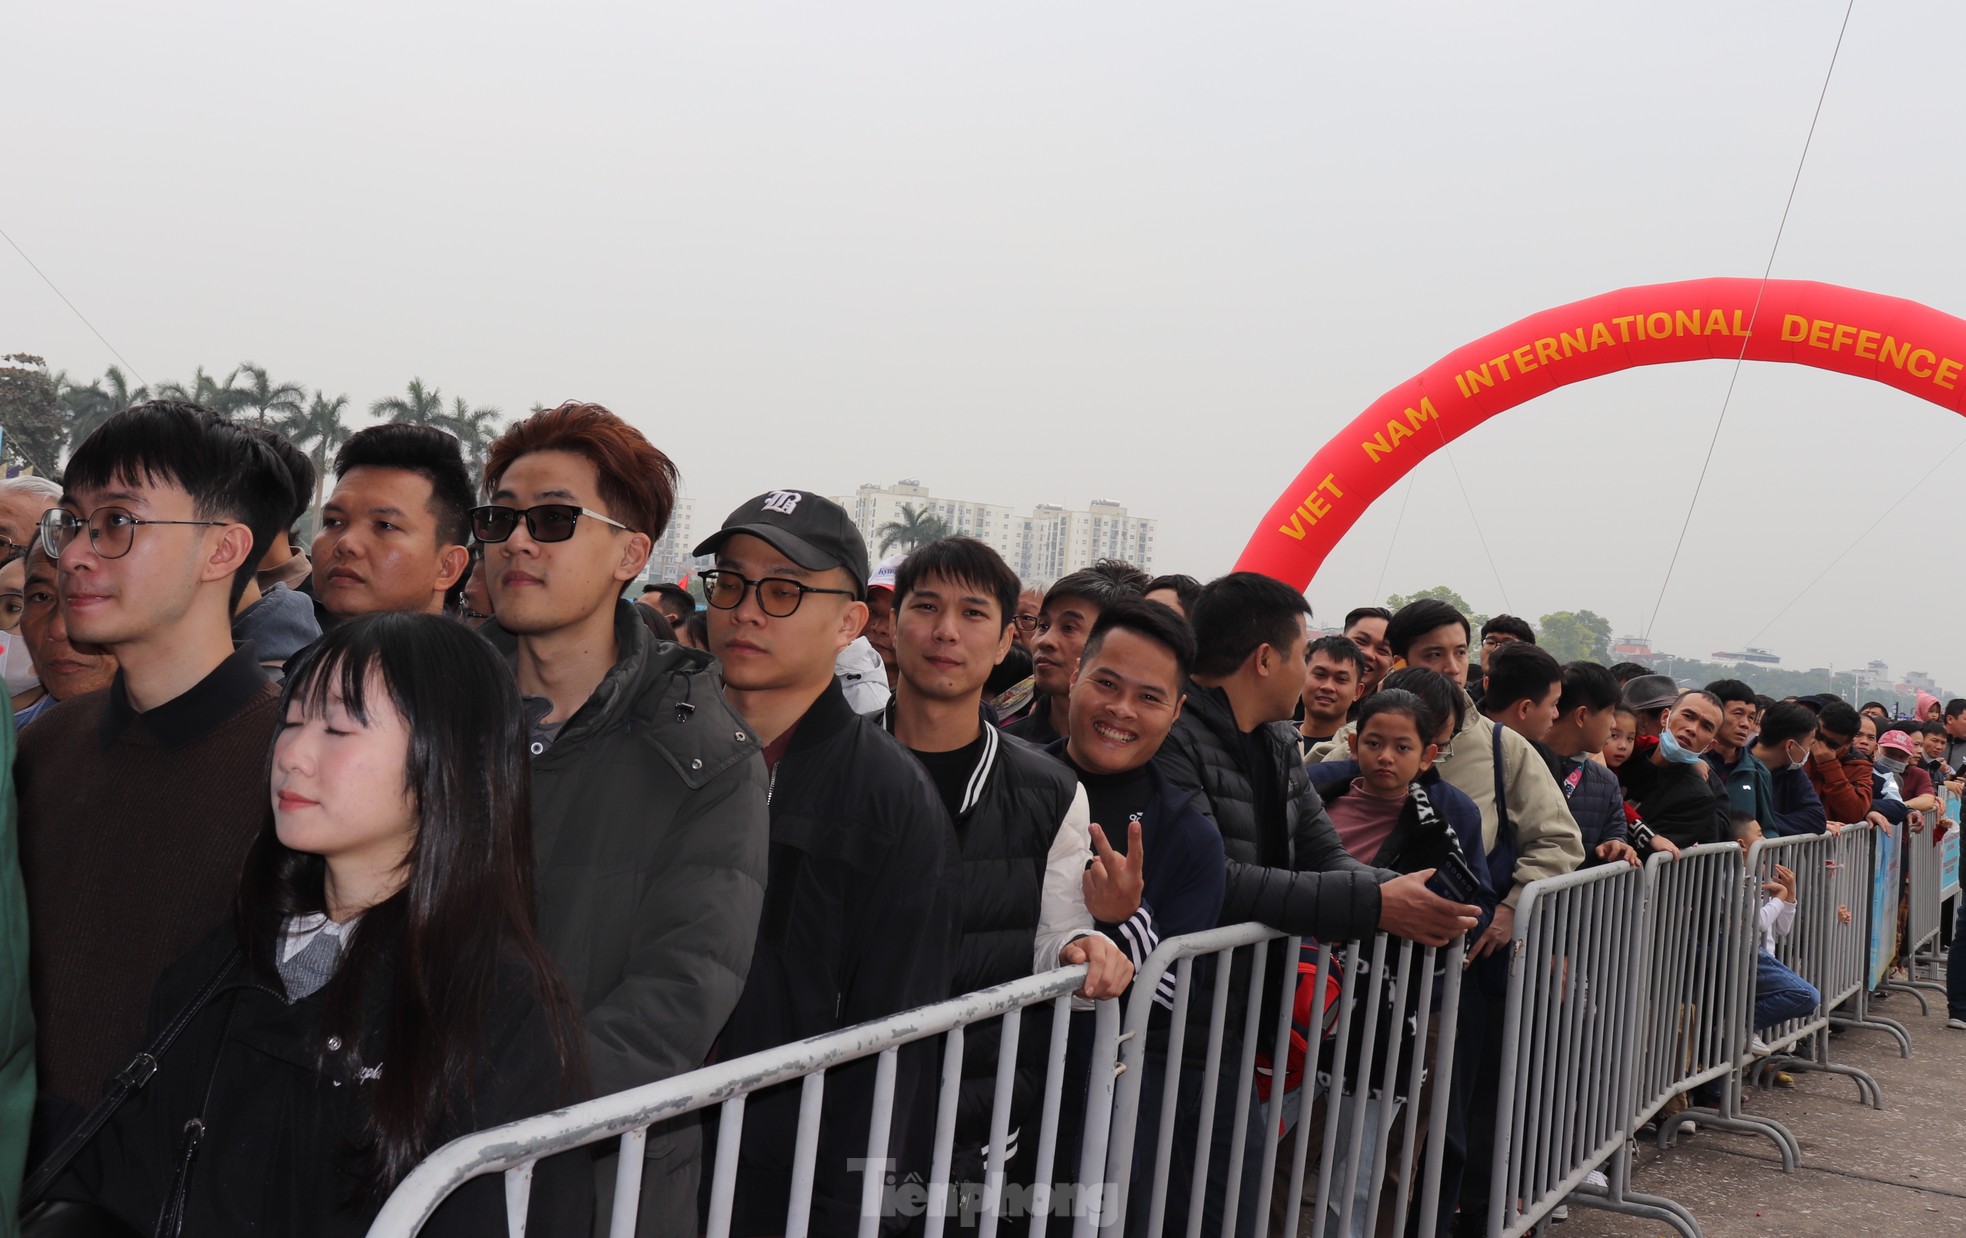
point(782, 501)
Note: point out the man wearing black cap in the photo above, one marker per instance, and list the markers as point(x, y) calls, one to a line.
point(862, 913)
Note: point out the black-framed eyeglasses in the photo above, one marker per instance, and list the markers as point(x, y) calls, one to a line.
point(548, 522)
point(112, 530)
point(778, 597)
point(1025, 623)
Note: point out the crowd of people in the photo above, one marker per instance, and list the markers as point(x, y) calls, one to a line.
point(333, 852)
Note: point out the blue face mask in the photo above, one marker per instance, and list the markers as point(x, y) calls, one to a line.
point(1669, 749)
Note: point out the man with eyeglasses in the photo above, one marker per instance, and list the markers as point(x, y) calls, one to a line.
point(863, 918)
point(137, 804)
point(1497, 634)
point(648, 798)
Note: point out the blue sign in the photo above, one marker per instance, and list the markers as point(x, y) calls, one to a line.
point(1886, 881)
point(1949, 858)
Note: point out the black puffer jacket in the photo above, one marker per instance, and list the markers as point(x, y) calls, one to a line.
point(1289, 871)
point(1292, 874)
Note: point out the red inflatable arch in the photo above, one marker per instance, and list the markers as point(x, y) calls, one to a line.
point(1909, 346)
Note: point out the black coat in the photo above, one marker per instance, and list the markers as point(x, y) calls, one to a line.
point(1289, 871)
point(274, 1160)
point(1686, 804)
point(862, 919)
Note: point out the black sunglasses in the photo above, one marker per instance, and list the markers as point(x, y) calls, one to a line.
point(548, 522)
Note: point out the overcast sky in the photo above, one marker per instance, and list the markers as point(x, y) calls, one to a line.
point(1039, 252)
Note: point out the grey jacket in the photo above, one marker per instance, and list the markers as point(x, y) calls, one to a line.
point(651, 834)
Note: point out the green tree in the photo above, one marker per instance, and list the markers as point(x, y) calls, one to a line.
point(87, 407)
point(417, 406)
point(1575, 636)
point(1441, 593)
point(476, 428)
point(226, 399)
point(285, 401)
point(319, 430)
point(916, 527)
point(31, 412)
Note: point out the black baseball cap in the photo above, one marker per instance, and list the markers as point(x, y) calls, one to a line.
point(810, 529)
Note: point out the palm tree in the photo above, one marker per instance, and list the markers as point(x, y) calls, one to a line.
point(88, 407)
point(225, 399)
point(283, 400)
point(418, 406)
point(319, 431)
point(917, 527)
point(475, 429)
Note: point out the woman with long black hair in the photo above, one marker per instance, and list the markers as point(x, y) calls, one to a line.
point(380, 990)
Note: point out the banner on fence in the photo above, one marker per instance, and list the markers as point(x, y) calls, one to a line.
point(1887, 882)
point(1949, 857)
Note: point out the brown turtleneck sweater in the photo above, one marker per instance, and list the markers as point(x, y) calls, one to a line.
point(133, 828)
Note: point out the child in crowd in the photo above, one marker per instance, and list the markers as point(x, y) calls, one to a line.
point(1779, 994)
point(1624, 736)
point(1392, 810)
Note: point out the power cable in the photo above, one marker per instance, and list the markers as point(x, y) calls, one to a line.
point(1752, 315)
point(1859, 541)
point(1406, 496)
point(71, 305)
point(1447, 450)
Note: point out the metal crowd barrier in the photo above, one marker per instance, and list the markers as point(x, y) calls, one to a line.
point(626, 1116)
point(1627, 987)
point(1825, 947)
point(1920, 946)
point(1580, 970)
point(1701, 911)
point(1877, 906)
point(1377, 1070)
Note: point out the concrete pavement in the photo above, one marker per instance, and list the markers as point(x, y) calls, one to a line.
point(1899, 1170)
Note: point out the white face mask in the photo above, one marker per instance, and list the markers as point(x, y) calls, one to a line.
point(16, 664)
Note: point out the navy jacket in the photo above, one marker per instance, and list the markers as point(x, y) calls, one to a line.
point(1185, 879)
point(1596, 800)
point(1797, 807)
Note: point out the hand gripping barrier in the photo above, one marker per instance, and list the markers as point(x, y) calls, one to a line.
point(1375, 1024)
point(1825, 947)
point(1571, 1037)
point(514, 1148)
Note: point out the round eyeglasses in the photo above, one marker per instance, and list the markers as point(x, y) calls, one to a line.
point(112, 530)
point(778, 596)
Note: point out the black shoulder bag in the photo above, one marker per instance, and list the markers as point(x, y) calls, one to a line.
point(65, 1219)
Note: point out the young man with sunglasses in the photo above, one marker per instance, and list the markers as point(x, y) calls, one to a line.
point(649, 801)
point(138, 803)
point(864, 913)
point(395, 530)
